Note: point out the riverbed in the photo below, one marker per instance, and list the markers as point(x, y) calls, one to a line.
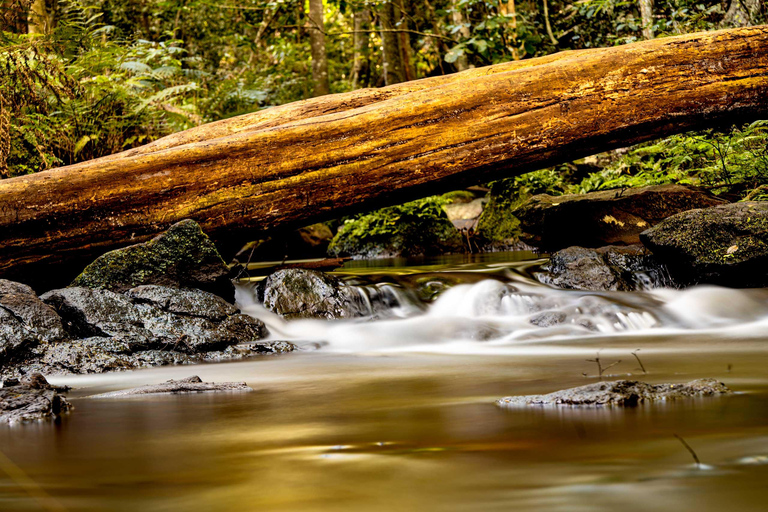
point(405, 418)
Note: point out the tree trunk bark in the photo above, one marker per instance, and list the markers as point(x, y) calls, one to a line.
point(317, 43)
point(404, 41)
point(742, 13)
point(646, 17)
point(360, 42)
point(462, 63)
point(394, 72)
point(327, 157)
point(38, 21)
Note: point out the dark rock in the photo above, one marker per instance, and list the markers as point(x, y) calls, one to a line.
point(15, 338)
point(609, 217)
point(726, 245)
point(187, 302)
point(420, 228)
point(189, 385)
point(620, 392)
point(21, 301)
point(87, 312)
point(615, 268)
point(183, 256)
point(32, 399)
point(299, 293)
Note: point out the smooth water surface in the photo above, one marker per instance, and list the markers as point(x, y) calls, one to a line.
point(405, 419)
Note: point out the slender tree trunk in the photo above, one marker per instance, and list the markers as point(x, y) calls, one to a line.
point(548, 25)
point(462, 63)
point(508, 9)
point(317, 42)
point(396, 144)
point(404, 40)
point(360, 42)
point(646, 16)
point(39, 21)
point(392, 56)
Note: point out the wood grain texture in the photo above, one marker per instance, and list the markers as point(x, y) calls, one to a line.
point(328, 156)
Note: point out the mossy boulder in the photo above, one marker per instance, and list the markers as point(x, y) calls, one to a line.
point(183, 256)
point(419, 228)
point(725, 245)
point(608, 217)
point(497, 227)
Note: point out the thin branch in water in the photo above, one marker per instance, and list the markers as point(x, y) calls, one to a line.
point(690, 450)
point(599, 363)
point(642, 366)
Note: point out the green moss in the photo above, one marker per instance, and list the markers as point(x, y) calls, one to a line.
point(183, 255)
point(411, 229)
point(497, 224)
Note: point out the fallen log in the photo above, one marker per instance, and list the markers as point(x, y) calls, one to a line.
point(325, 157)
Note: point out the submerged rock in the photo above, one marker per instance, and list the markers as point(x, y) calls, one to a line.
point(614, 268)
point(183, 256)
point(620, 392)
point(189, 385)
point(609, 217)
point(726, 245)
point(299, 293)
point(33, 399)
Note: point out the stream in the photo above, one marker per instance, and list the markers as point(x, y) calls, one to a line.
point(396, 411)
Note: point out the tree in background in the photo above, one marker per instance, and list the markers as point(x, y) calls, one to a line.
point(317, 43)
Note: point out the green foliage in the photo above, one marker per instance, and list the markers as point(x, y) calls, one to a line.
point(414, 228)
point(734, 161)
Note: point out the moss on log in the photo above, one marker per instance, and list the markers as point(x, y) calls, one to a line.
point(324, 157)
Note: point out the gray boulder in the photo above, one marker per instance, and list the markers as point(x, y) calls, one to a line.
point(620, 392)
point(299, 293)
point(725, 245)
point(183, 256)
point(614, 268)
point(90, 312)
point(155, 317)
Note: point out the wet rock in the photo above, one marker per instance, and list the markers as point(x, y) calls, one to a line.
point(155, 318)
point(15, 338)
point(187, 302)
point(299, 293)
point(33, 399)
point(610, 217)
point(90, 312)
point(726, 245)
point(21, 302)
point(615, 268)
point(620, 392)
point(183, 256)
point(419, 228)
point(548, 318)
point(189, 385)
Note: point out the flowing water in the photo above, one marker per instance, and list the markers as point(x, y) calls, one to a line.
point(396, 411)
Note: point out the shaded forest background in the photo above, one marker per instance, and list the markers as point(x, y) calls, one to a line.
point(80, 79)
